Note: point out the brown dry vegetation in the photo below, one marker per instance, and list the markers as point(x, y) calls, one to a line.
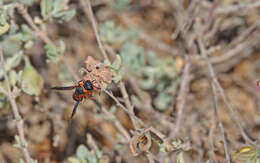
point(215, 46)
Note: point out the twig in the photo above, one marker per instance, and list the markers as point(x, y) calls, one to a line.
point(43, 36)
point(220, 89)
point(150, 157)
point(124, 108)
point(88, 11)
point(211, 140)
point(151, 41)
point(215, 99)
point(18, 119)
point(128, 104)
point(182, 96)
point(28, 18)
point(235, 8)
point(116, 122)
point(210, 16)
point(91, 142)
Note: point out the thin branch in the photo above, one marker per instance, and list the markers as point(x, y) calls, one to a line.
point(210, 16)
point(124, 108)
point(128, 104)
point(88, 11)
point(215, 99)
point(91, 142)
point(182, 96)
point(239, 7)
point(23, 11)
point(211, 140)
point(151, 41)
point(18, 119)
point(150, 157)
point(43, 36)
point(116, 122)
point(222, 93)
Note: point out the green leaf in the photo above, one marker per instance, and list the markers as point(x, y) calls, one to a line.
point(111, 33)
point(180, 158)
point(162, 101)
point(64, 16)
point(4, 28)
point(112, 109)
point(73, 160)
point(107, 62)
point(133, 57)
point(82, 152)
point(119, 76)
point(99, 154)
point(32, 82)
point(57, 6)
point(54, 53)
point(28, 2)
point(10, 47)
point(92, 158)
point(24, 36)
point(46, 8)
point(13, 77)
point(3, 100)
point(17, 141)
point(120, 5)
point(117, 63)
point(21, 161)
point(29, 44)
point(56, 9)
point(13, 61)
point(135, 101)
point(162, 147)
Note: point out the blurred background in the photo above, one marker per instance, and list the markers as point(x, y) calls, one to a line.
point(184, 70)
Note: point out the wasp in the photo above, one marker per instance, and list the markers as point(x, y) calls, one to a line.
point(83, 90)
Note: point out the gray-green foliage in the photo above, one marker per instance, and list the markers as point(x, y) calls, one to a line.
point(120, 5)
point(56, 10)
point(6, 12)
point(28, 2)
point(154, 73)
point(110, 33)
point(16, 38)
point(54, 53)
point(84, 155)
point(116, 69)
point(26, 78)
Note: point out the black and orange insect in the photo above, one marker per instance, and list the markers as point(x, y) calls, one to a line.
point(83, 90)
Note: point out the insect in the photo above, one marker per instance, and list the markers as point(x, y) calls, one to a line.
point(84, 89)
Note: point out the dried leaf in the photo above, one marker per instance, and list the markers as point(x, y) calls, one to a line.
point(99, 73)
point(140, 142)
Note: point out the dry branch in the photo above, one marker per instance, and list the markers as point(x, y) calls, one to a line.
point(18, 119)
